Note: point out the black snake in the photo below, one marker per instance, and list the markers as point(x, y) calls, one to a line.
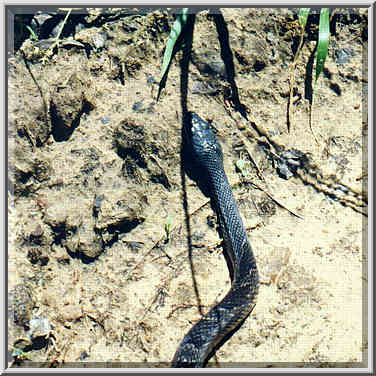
point(201, 342)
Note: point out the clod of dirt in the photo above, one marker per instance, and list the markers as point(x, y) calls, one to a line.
point(93, 36)
point(267, 207)
point(209, 63)
point(143, 155)
point(19, 177)
point(89, 242)
point(68, 103)
point(129, 140)
point(37, 256)
point(28, 115)
point(60, 254)
point(20, 304)
point(73, 224)
point(143, 162)
point(37, 243)
point(119, 213)
point(27, 169)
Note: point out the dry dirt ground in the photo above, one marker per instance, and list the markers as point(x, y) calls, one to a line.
point(99, 268)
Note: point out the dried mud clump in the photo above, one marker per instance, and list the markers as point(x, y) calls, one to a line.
point(119, 213)
point(73, 225)
point(129, 141)
point(20, 305)
point(28, 114)
point(142, 153)
point(68, 103)
point(27, 170)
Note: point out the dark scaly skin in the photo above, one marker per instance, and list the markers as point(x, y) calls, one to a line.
point(200, 342)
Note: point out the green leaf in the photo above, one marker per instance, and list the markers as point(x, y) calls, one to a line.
point(168, 223)
point(32, 33)
point(303, 15)
point(171, 46)
point(323, 42)
point(242, 166)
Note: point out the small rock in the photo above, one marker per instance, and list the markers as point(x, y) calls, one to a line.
point(99, 40)
point(289, 162)
point(20, 304)
point(97, 203)
point(151, 80)
point(89, 242)
point(137, 107)
point(37, 232)
point(343, 55)
point(39, 327)
point(105, 120)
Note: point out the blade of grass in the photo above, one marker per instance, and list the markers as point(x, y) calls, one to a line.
point(172, 46)
point(303, 16)
point(322, 52)
point(32, 33)
point(323, 42)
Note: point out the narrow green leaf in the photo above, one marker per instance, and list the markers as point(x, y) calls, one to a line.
point(177, 27)
point(303, 15)
point(323, 42)
point(32, 33)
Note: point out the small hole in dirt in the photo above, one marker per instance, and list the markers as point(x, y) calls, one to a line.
point(161, 179)
point(133, 154)
point(259, 66)
point(125, 226)
point(61, 234)
point(335, 87)
point(25, 176)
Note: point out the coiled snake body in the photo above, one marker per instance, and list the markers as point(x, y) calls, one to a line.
point(213, 329)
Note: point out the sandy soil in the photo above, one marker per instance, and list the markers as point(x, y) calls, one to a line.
point(94, 161)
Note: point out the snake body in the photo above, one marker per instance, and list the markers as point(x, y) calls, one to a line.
point(201, 342)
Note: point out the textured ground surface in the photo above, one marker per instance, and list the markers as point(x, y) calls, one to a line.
point(95, 177)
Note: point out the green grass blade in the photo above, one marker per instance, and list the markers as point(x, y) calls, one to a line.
point(32, 33)
point(177, 27)
point(323, 42)
point(303, 16)
point(171, 47)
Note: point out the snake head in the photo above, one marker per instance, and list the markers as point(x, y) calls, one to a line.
point(204, 144)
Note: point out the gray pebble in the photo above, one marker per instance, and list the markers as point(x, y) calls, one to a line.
point(343, 55)
point(105, 120)
point(99, 40)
